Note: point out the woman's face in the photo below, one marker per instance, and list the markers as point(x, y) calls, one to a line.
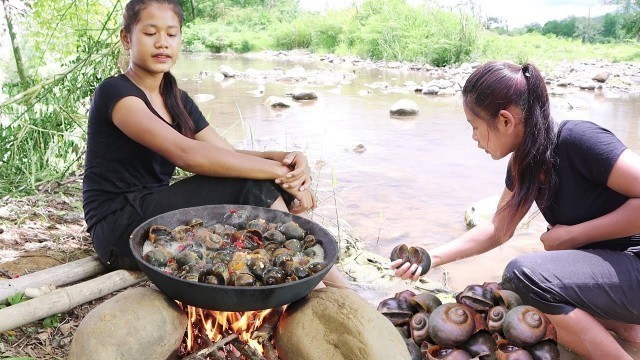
point(497, 142)
point(155, 40)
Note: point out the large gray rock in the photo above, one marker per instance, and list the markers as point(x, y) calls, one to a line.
point(336, 324)
point(139, 323)
point(404, 107)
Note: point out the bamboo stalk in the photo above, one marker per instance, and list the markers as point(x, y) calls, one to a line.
point(57, 275)
point(64, 299)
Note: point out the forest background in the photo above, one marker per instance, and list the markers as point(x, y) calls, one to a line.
point(57, 51)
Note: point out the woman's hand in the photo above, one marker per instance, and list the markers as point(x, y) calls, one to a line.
point(300, 176)
point(305, 200)
point(557, 237)
point(406, 270)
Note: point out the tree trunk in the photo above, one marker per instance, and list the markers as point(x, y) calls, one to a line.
point(14, 43)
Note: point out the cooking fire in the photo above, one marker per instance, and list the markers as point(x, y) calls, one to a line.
point(219, 335)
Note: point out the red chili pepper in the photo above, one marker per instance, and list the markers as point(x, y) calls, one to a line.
point(233, 211)
point(171, 261)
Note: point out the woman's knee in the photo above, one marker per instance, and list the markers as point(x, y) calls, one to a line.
point(523, 274)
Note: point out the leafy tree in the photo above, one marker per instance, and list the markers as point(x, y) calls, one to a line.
point(611, 26)
point(533, 27)
point(565, 28)
point(630, 16)
point(588, 30)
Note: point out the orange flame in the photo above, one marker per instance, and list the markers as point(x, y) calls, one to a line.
point(216, 324)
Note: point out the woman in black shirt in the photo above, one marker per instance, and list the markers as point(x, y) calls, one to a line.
point(141, 126)
point(587, 186)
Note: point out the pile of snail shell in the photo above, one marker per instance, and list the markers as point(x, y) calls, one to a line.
point(486, 322)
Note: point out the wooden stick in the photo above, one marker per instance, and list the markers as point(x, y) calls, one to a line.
point(265, 330)
point(246, 350)
point(57, 275)
point(270, 352)
point(211, 350)
point(64, 299)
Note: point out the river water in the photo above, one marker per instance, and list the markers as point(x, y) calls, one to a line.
point(417, 175)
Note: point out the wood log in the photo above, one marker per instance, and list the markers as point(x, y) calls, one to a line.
point(57, 275)
point(246, 350)
point(211, 350)
point(64, 299)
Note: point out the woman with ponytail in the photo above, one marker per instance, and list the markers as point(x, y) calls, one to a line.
point(141, 126)
point(586, 183)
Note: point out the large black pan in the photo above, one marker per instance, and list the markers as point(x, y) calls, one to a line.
point(231, 298)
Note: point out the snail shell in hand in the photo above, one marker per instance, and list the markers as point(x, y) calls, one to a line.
point(413, 255)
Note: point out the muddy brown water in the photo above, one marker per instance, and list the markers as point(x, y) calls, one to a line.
point(417, 175)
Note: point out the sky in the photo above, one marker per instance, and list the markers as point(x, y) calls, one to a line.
point(517, 13)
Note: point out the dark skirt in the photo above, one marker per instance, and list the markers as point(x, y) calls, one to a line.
point(111, 235)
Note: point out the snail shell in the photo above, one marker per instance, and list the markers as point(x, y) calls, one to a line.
point(508, 351)
point(452, 324)
point(274, 236)
point(545, 350)
point(292, 230)
point(481, 344)
point(476, 297)
point(236, 218)
point(273, 276)
point(525, 325)
point(395, 310)
point(419, 326)
point(495, 318)
point(405, 295)
point(414, 350)
point(400, 252)
point(159, 232)
point(438, 352)
point(419, 256)
point(508, 299)
point(425, 302)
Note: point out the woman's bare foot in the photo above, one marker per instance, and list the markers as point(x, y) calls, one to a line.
point(629, 332)
point(626, 332)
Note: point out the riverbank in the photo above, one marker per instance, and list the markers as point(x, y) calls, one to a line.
point(612, 79)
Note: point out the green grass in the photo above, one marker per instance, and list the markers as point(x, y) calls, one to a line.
point(540, 49)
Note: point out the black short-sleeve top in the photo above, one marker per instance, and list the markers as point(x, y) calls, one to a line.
point(116, 165)
point(586, 154)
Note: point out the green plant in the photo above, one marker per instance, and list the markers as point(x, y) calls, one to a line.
point(52, 321)
point(43, 127)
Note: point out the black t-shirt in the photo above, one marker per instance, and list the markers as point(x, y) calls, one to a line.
point(116, 165)
point(586, 154)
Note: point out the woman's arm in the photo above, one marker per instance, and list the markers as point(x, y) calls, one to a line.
point(478, 240)
point(298, 178)
point(622, 222)
point(214, 157)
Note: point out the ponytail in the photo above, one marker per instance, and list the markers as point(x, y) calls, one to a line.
point(171, 95)
point(496, 86)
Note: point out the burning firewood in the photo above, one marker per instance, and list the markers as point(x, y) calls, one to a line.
point(246, 350)
point(212, 350)
point(266, 329)
point(270, 352)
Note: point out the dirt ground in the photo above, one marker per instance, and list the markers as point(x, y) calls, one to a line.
point(36, 233)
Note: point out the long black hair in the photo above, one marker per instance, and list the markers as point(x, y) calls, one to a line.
point(171, 94)
point(495, 86)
